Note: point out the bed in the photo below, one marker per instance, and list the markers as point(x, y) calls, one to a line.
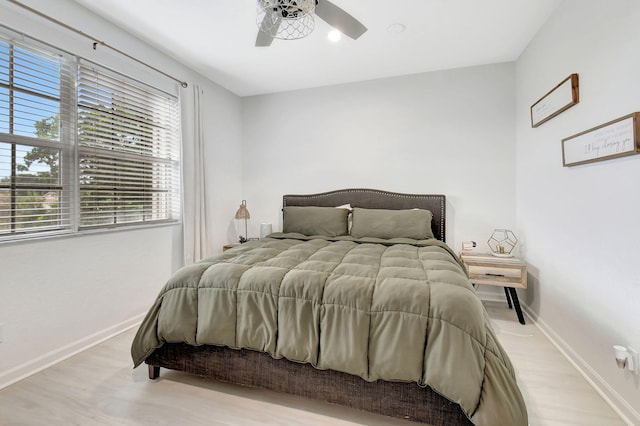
point(357, 302)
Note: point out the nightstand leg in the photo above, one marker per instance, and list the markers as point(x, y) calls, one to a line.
point(506, 293)
point(516, 304)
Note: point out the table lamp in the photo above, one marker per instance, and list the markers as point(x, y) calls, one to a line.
point(243, 213)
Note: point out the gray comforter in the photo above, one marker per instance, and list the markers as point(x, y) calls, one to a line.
point(400, 310)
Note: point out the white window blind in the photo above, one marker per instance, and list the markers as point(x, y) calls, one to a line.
point(35, 180)
point(128, 150)
point(81, 146)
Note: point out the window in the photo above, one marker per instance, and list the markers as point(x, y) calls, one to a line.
point(34, 188)
point(104, 155)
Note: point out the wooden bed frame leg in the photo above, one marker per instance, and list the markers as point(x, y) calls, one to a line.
point(154, 372)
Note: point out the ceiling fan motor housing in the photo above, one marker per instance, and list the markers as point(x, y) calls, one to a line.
point(286, 19)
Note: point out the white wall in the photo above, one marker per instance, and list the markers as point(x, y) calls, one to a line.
point(449, 132)
point(580, 225)
point(60, 295)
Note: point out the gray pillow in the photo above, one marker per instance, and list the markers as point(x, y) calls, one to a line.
point(328, 221)
point(387, 224)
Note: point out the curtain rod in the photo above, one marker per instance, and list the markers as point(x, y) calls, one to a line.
point(96, 41)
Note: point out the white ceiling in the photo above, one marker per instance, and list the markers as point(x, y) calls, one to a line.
point(216, 38)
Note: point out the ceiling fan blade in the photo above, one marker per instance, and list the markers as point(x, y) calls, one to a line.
point(264, 37)
point(339, 19)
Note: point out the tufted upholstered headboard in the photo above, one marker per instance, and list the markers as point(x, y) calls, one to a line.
point(376, 199)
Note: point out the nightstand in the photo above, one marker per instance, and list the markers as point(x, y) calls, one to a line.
point(229, 246)
point(507, 272)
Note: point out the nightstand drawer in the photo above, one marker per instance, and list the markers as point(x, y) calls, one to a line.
point(490, 270)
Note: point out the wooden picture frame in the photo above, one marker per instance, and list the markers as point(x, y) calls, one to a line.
point(559, 99)
point(617, 138)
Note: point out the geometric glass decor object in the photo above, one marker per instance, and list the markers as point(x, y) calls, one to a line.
point(502, 242)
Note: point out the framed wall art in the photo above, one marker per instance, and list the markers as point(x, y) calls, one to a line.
point(559, 99)
point(617, 138)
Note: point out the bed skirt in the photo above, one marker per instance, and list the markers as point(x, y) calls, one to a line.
point(259, 370)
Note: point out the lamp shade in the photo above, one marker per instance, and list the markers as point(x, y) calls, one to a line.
point(242, 212)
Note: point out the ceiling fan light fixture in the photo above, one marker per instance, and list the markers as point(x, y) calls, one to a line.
point(334, 36)
point(286, 19)
point(294, 19)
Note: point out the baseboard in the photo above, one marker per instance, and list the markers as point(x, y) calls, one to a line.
point(626, 412)
point(53, 357)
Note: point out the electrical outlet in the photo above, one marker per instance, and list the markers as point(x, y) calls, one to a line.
point(634, 357)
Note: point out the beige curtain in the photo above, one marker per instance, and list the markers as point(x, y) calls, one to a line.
point(196, 235)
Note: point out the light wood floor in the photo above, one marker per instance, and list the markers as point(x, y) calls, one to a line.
point(98, 387)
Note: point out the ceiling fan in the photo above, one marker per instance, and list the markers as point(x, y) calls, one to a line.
point(293, 19)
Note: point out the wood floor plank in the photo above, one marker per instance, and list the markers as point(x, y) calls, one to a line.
point(98, 387)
